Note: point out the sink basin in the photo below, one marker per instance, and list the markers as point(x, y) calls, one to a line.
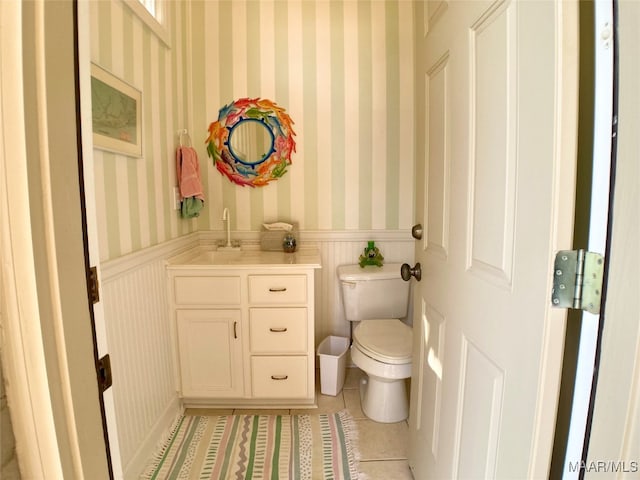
point(246, 258)
point(243, 258)
point(217, 258)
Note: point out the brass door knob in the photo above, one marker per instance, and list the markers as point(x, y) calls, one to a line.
point(407, 272)
point(416, 231)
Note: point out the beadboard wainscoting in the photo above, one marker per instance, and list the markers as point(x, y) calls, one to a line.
point(136, 310)
point(134, 293)
point(345, 248)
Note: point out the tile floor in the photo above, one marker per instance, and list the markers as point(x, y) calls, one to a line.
point(383, 448)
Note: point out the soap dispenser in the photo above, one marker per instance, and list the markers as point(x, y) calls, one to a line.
point(289, 243)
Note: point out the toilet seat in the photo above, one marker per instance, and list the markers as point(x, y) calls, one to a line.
point(388, 341)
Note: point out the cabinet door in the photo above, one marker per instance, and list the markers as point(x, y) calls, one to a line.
point(210, 352)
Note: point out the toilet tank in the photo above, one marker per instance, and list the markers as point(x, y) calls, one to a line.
point(373, 292)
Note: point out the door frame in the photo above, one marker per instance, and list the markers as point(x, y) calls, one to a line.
point(616, 403)
point(92, 252)
point(603, 157)
point(47, 348)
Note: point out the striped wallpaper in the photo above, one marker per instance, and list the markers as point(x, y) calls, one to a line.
point(343, 70)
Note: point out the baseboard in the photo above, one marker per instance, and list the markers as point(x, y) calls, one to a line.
point(154, 438)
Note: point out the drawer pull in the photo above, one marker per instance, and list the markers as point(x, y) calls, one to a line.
point(279, 377)
point(278, 330)
point(278, 289)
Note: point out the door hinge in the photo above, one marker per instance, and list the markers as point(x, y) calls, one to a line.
point(94, 288)
point(103, 368)
point(577, 280)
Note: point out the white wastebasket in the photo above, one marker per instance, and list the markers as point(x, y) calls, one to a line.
point(333, 363)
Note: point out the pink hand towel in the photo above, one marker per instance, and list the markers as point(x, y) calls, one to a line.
point(188, 173)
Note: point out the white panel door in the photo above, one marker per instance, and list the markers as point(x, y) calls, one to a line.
point(494, 192)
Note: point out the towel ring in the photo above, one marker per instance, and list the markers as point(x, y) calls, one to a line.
point(184, 133)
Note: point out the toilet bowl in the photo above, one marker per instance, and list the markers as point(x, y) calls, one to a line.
point(376, 298)
point(382, 349)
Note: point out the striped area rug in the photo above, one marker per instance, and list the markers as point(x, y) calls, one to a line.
point(259, 447)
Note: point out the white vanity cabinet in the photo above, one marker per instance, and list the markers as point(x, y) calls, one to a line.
point(244, 334)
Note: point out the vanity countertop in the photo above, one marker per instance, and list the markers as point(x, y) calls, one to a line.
point(204, 258)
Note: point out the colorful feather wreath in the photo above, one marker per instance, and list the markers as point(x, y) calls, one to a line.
point(273, 164)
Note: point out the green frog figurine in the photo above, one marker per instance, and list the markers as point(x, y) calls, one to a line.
point(371, 256)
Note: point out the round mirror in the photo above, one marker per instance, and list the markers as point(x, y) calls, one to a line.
point(250, 141)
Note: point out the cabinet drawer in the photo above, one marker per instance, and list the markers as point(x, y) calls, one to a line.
point(277, 289)
point(207, 290)
point(279, 377)
point(278, 330)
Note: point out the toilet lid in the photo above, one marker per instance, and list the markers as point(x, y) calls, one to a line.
point(388, 340)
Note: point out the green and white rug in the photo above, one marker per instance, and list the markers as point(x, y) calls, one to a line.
point(258, 447)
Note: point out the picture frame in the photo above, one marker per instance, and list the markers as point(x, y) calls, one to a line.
point(116, 110)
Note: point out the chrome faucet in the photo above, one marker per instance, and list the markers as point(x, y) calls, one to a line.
point(226, 216)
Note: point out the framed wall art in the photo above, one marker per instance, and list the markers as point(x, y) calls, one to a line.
point(116, 114)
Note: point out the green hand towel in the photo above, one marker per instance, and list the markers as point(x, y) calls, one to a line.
point(191, 207)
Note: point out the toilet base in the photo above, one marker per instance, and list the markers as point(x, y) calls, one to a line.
point(384, 401)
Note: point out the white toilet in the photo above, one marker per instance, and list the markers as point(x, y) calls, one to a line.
point(377, 298)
